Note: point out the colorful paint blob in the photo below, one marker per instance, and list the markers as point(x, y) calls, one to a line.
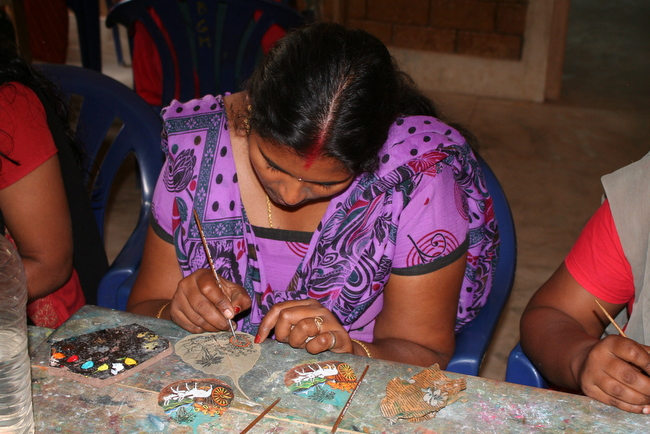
point(106, 353)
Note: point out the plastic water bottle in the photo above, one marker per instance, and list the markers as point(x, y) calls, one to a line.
point(15, 374)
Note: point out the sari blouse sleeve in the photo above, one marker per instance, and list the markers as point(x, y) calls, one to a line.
point(433, 227)
point(25, 136)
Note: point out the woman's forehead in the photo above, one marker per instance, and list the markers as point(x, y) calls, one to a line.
point(316, 168)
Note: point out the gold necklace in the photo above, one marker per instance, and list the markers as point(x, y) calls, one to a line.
point(268, 209)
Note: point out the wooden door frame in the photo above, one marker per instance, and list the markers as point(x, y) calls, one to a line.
point(557, 49)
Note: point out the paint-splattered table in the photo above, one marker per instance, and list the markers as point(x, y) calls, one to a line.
point(62, 405)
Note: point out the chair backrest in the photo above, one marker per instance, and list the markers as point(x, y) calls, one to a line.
point(213, 43)
point(472, 341)
point(105, 104)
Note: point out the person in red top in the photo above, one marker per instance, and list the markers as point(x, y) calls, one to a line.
point(37, 199)
point(34, 207)
point(598, 263)
point(565, 333)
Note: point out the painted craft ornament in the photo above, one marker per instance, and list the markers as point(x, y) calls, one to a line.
point(220, 354)
point(327, 382)
point(196, 401)
point(420, 397)
point(103, 357)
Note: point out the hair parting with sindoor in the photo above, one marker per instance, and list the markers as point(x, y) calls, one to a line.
point(328, 90)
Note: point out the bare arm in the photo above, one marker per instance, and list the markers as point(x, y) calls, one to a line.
point(560, 332)
point(157, 279)
point(36, 214)
point(417, 322)
point(195, 302)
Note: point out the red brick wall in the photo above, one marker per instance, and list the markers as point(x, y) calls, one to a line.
point(486, 28)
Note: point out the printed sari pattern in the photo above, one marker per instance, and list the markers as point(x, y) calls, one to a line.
point(349, 259)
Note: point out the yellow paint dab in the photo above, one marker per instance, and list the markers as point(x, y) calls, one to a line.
point(102, 367)
point(129, 361)
point(150, 346)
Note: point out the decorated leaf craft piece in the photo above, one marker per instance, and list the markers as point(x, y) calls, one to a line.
point(106, 356)
point(327, 382)
point(196, 401)
point(214, 354)
point(421, 396)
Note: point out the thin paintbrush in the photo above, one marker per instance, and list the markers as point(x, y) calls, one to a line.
point(258, 418)
point(214, 271)
point(347, 404)
point(621, 332)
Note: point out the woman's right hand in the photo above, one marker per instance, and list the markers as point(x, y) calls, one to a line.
point(200, 305)
point(615, 372)
point(561, 331)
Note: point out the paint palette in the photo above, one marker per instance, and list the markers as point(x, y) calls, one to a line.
point(106, 356)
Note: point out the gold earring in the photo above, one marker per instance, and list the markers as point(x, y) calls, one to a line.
point(247, 119)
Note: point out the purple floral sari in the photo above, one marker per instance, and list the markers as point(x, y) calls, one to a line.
point(350, 256)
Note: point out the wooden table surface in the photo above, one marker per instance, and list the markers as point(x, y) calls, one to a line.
point(62, 405)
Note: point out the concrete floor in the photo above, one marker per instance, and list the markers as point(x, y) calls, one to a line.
point(549, 157)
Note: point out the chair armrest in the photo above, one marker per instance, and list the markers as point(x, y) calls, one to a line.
point(111, 292)
point(472, 341)
point(521, 370)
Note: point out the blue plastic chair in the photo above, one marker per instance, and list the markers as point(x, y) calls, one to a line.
point(106, 100)
point(217, 42)
point(520, 370)
point(87, 15)
point(117, 41)
point(473, 340)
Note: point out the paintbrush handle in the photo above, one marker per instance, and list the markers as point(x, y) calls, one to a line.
point(347, 404)
point(258, 418)
point(620, 331)
point(209, 256)
point(206, 249)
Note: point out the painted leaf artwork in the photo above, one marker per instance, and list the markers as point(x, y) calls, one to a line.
point(220, 354)
point(195, 401)
point(105, 356)
point(421, 396)
point(327, 382)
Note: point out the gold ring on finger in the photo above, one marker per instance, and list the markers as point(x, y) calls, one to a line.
point(333, 340)
point(319, 322)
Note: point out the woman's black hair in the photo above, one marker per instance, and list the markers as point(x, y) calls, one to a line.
point(15, 69)
point(328, 90)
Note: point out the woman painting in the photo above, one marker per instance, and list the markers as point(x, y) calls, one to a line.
point(341, 213)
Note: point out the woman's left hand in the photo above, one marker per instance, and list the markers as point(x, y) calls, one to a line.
point(305, 324)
